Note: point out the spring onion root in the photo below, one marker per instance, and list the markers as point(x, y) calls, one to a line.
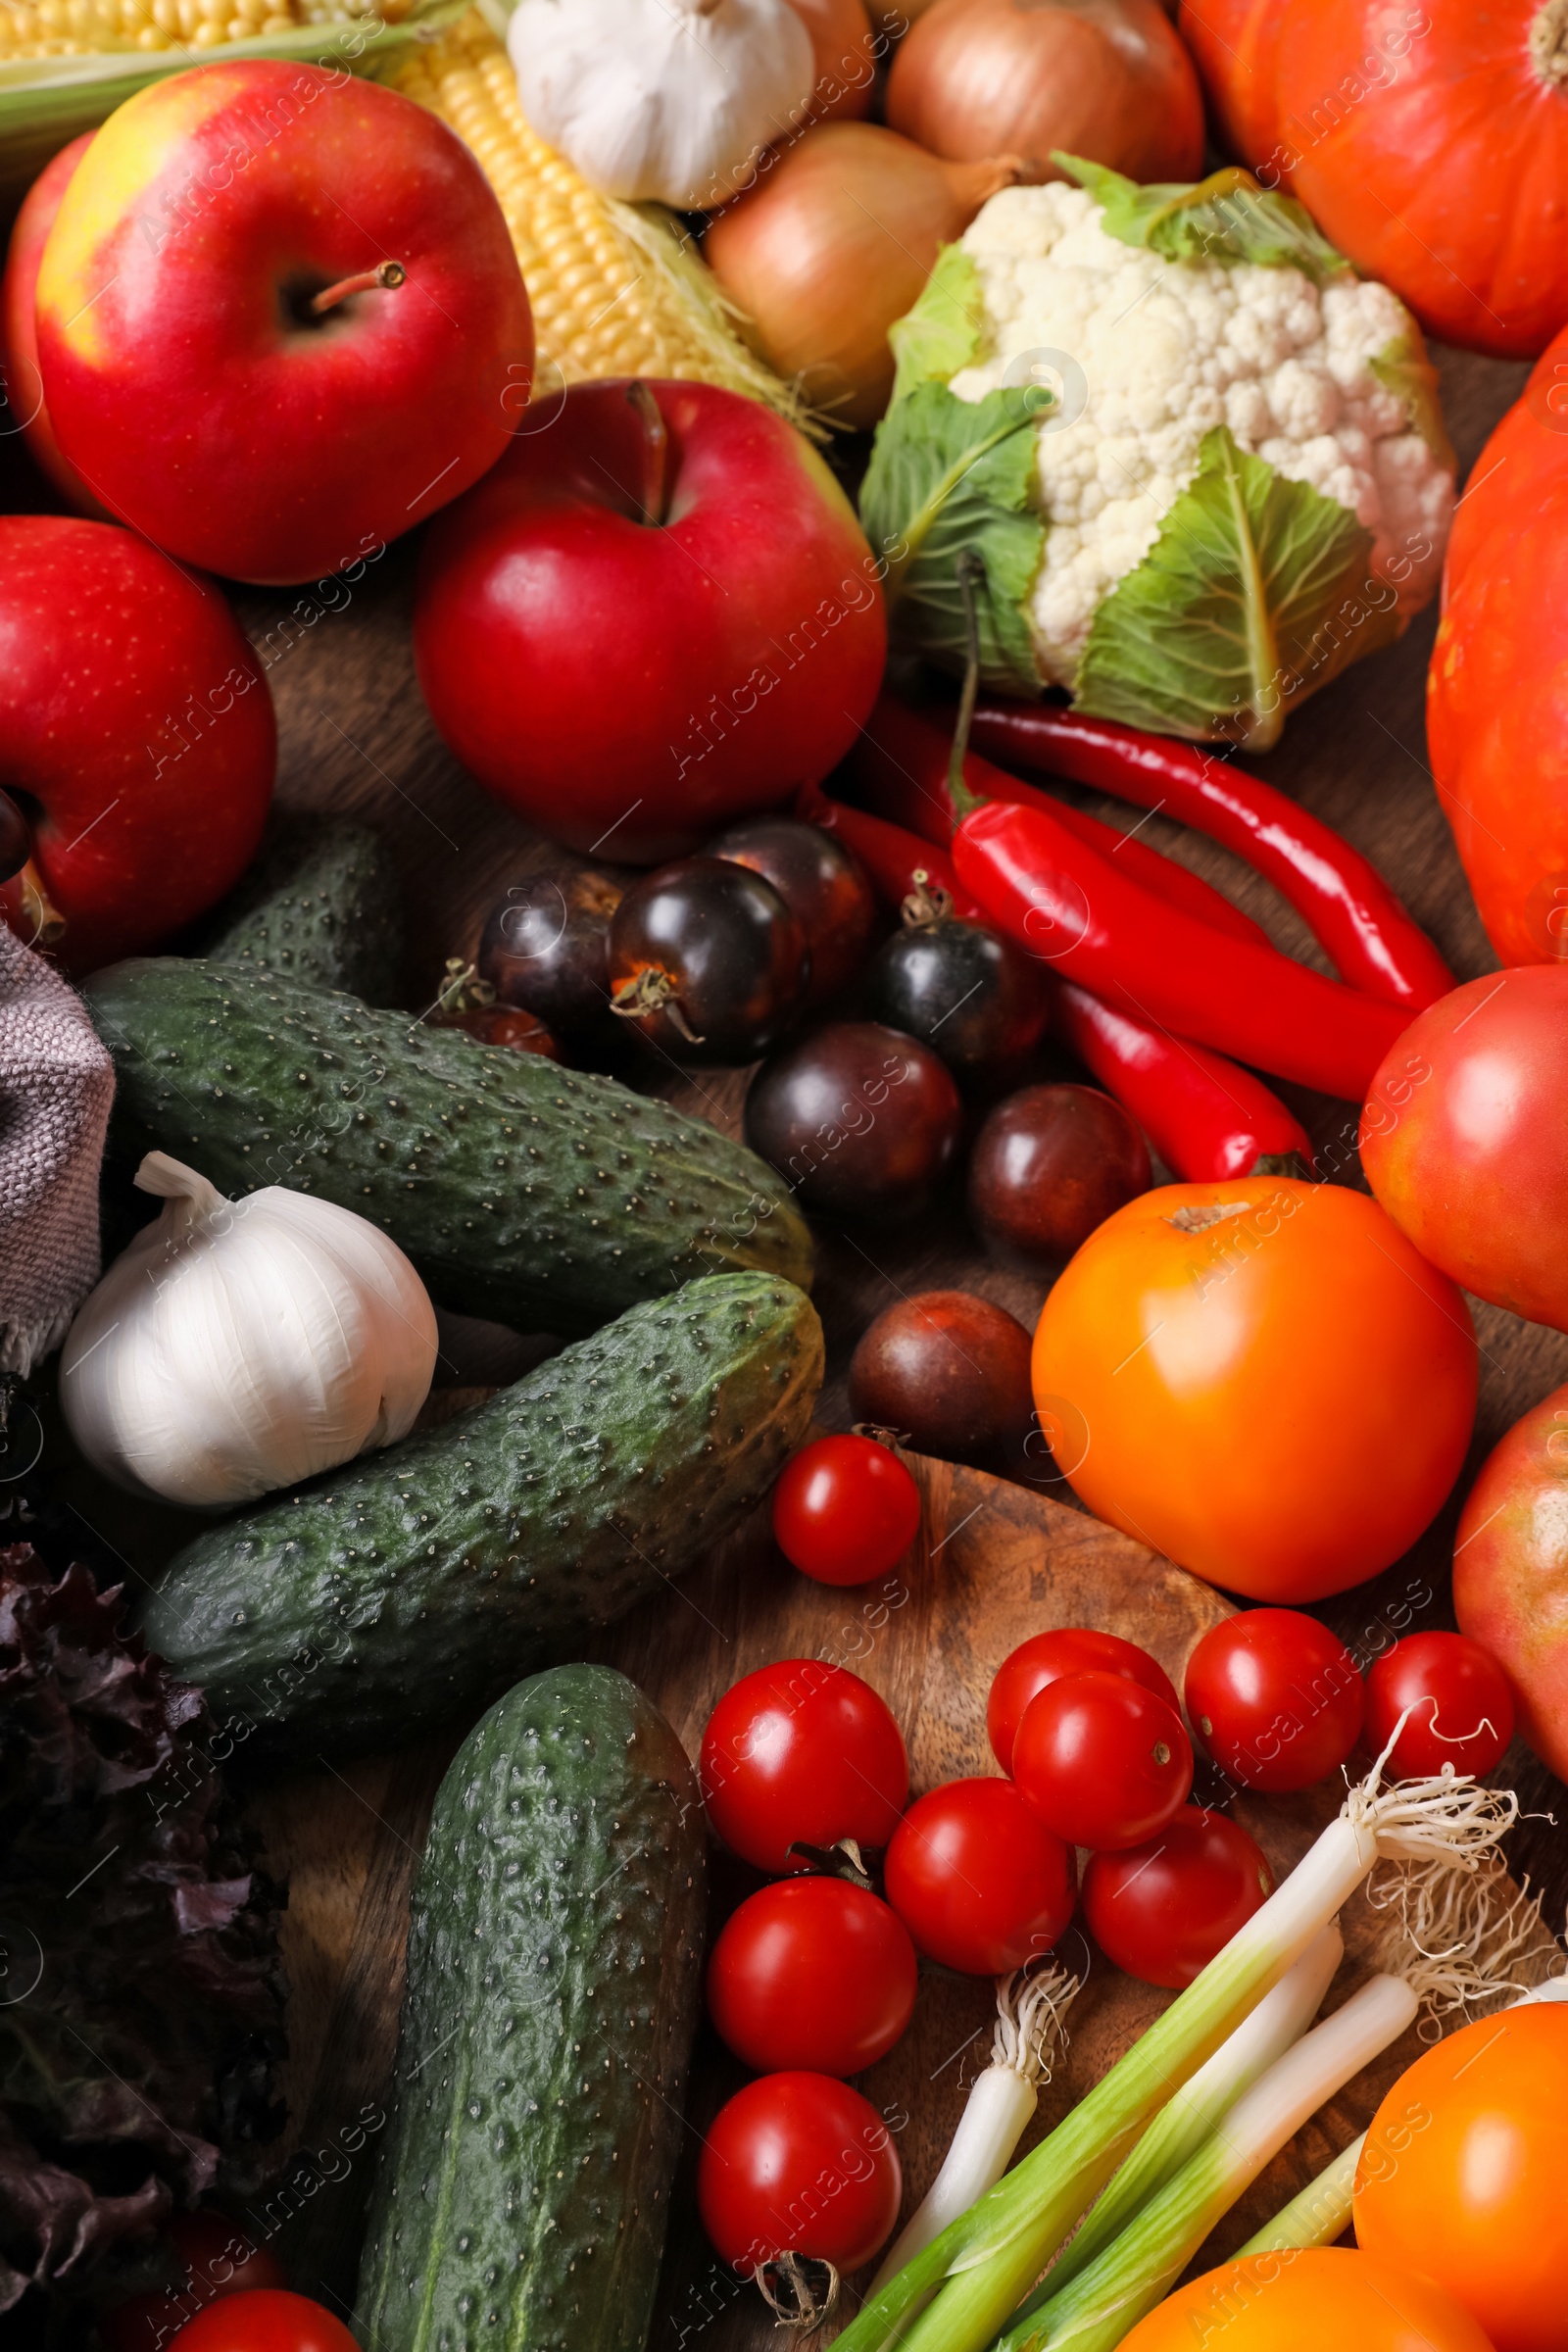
point(984, 2263)
point(1030, 2033)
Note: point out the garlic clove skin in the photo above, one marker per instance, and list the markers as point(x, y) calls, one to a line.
point(663, 101)
point(239, 1346)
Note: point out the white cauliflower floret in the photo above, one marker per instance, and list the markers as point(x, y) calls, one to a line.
point(1148, 355)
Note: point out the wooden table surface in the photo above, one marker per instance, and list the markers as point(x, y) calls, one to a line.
point(355, 737)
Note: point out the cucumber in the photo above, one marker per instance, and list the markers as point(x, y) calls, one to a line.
point(322, 903)
point(522, 2193)
point(532, 1195)
point(410, 1586)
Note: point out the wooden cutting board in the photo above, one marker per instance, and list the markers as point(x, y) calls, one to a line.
point(994, 1563)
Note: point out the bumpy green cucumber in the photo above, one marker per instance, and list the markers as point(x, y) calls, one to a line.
point(322, 903)
point(522, 2193)
point(533, 1195)
point(410, 1587)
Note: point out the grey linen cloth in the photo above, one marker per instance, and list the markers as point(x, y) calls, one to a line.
point(56, 1085)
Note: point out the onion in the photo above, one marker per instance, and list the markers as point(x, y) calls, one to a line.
point(846, 51)
point(1104, 79)
point(834, 244)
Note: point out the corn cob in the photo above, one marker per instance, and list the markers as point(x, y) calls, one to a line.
point(40, 28)
point(617, 290)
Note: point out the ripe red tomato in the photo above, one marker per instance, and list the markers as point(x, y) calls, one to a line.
point(812, 1973)
point(265, 2319)
point(981, 1884)
point(802, 1752)
point(1463, 1706)
point(1044, 1658)
point(213, 2256)
point(845, 1509)
point(1275, 1699)
point(1101, 1760)
point(1279, 1389)
point(1162, 1911)
point(1461, 2175)
point(798, 2163)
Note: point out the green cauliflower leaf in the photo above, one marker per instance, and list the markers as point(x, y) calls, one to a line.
point(1227, 218)
point(1257, 591)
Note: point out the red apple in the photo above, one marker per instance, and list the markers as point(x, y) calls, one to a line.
point(1462, 1138)
point(194, 378)
point(18, 331)
point(657, 612)
point(1511, 1569)
point(137, 732)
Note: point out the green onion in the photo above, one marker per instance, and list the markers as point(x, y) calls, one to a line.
point(1182, 2127)
point(1316, 2214)
point(986, 2261)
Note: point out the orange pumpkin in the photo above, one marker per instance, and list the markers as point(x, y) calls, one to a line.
point(1430, 142)
point(1498, 688)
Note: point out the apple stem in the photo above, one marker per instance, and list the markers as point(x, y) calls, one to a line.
point(386, 273)
point(654, 496)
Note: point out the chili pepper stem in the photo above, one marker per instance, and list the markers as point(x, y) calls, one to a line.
point(971, 573)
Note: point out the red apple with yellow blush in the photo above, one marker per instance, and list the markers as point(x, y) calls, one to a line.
point(19, 327)
point(279, 317)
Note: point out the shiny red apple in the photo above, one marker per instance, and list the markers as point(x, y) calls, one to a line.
point(657, 612)
point(19, 329)
point(279, 317)
point(137, 734)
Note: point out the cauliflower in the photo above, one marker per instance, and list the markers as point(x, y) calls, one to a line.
point(1190, 382)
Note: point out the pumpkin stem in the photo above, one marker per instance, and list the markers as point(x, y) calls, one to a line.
point(1548, 43)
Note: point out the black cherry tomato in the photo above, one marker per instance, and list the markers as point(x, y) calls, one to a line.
point(858, 1119)
point(821, 883)
point(706, 962)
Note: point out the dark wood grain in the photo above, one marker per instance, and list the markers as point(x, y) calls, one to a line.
point(997, 1561)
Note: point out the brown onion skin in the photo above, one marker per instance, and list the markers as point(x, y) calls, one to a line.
point(846, 51)
point(833, 244)
point(1107, 79)
point(949, 1372)
point(1050, 1165)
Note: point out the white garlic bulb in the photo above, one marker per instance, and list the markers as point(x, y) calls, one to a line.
point(238, 1346)
point(665, 101)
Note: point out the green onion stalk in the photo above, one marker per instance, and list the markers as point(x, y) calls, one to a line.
point(985, 2262)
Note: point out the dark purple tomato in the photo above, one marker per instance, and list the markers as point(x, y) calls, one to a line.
point(503, 1025)
point(544, 946)
point(1050, 1165)
point(948, 1370)
point(859, 1120)
point(961, 988)
point(706, 962)
point(822, 885)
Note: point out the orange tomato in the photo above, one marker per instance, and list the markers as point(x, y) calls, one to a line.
point(1463, 2171)
point(1307, 2302)
point(1261, 1379)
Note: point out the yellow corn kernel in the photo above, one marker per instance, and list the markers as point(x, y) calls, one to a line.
point(615, 289)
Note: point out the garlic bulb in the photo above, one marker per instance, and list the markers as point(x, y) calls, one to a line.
point(662, 100)
point(238, 1346)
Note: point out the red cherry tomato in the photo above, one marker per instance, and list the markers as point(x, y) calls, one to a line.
point(1162, 1911)
point(212, 2256)
point(1101, 1761)
point(1045, 1658)
point(1274, 1698)
point(845, 1509)
point(265, 2319)
point(981, 1884)
point(802, 1752)
point(800, 2164)
point(1463, 1706)
point(812, 1973)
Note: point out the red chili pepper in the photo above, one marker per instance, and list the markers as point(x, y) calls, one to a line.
point(901, 764)
point(1207, 1118)
point(1071, 908)
point(1372, 942)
